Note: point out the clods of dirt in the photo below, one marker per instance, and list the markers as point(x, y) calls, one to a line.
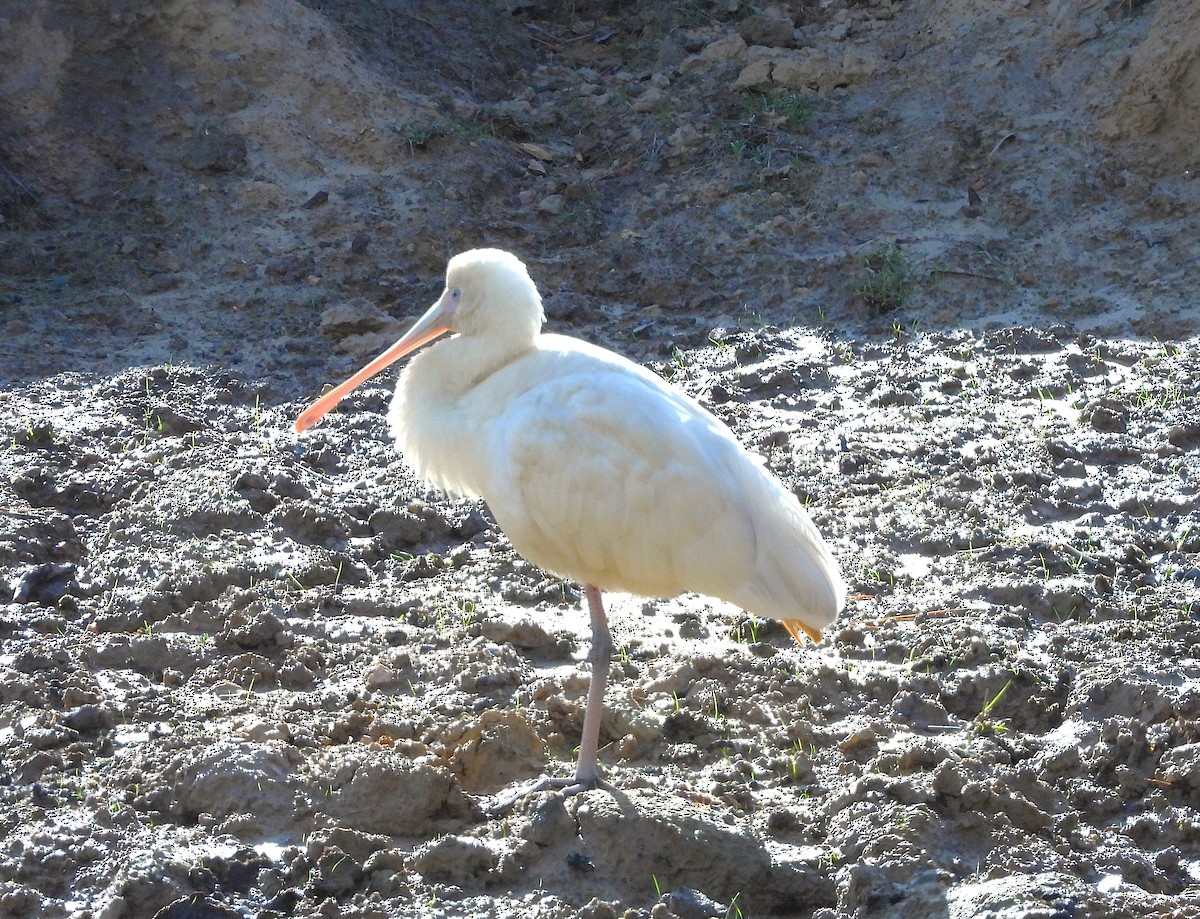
point(931, 260)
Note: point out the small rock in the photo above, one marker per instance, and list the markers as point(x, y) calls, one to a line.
point(398, 529)
point(250, 631)
point(381, 676)
point(389, 794)
point(597, 909)
point(172, 423)
point(729, 48)
point(1060, 761)
point(88, 718)
point(44, 584)
point(552, 204)
point(357, 317)
point(525, 633)
point(193, 907)
point(781, 820)
point(287, 487)
point(686, 138)
point(283, 903)
point(769, 29)
point(1181, 766)
point(455, 860)
point(804, 68)
point(337, 873)
point(250, 481)
point(537, 151)
point(919, 710)
point(1071, 468)
point(316, 200)
point(755, 75)
point(689, 903)
point(1106, 415)
point(550, 823)
point(1184, 436)
point(214, 151)
point(858, 64)
point(651, 100)
point(499, 748)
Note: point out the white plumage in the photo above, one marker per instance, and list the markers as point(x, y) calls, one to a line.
point(595, 468)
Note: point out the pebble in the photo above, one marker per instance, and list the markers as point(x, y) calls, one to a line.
point(728, 48)
point(381, 676)
point(651, 100)
point(769, 29)
point(552, 204)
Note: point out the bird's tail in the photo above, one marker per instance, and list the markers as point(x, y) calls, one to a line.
point(795, 577)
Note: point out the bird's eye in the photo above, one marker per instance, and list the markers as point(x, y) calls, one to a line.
point(456, 293)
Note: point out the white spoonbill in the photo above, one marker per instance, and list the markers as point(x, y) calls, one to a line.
point(596, 468)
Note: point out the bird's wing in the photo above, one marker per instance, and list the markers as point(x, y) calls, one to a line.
point(610, 477)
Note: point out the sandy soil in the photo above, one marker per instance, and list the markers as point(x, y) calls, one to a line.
point(936, 259)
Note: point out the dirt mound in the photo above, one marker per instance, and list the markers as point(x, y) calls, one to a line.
point(887, 241)
point(99, 89)
point(1156, 104)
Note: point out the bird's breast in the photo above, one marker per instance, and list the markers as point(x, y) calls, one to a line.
point(451, 409)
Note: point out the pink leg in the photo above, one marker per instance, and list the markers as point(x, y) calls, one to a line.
point(587, 770)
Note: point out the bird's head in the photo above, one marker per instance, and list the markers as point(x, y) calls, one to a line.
point(489, 292)
point(489, 295)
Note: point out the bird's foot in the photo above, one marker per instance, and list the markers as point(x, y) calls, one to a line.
point(577, 784)
point(570, 786)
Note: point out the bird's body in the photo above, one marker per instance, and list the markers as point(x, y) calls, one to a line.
point(595, 468)
point(598, 470)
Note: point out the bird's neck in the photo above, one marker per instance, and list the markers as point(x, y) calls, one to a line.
point(453, 367)
point(441, 404)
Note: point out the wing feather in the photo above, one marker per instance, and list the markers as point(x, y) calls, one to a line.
point(599, 471)
point(609, 481)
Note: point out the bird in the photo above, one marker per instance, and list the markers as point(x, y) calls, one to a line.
point(596, 468)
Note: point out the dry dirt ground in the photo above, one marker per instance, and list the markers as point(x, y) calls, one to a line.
point(936, 259)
